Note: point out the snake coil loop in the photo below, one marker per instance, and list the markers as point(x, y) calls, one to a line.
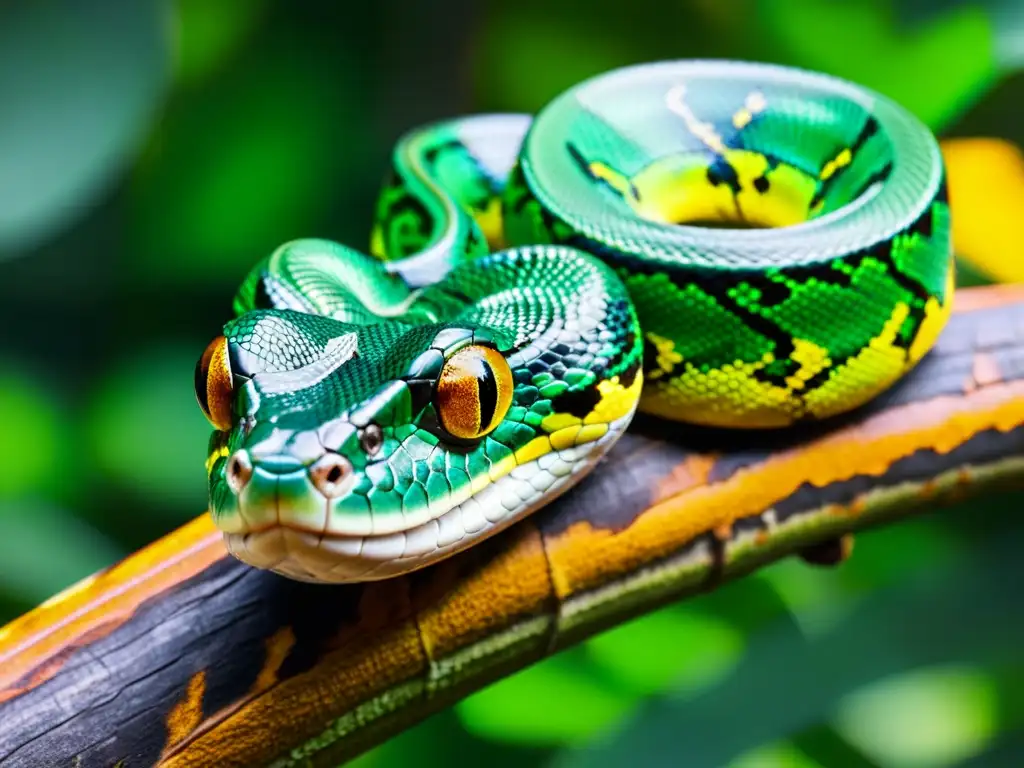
point(723, 243)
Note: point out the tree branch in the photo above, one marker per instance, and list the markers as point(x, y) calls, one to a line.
point(184, 657)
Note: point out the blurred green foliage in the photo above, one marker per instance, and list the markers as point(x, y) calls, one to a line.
point(151, 151)
point(32, 444)
point(72, 118)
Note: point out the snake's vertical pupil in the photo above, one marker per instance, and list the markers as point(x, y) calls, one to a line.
point(474, 392)
point(487, 386)
point(214, 384)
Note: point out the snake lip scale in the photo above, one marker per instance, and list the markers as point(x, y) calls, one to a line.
point(310, 554)
point(726, 244)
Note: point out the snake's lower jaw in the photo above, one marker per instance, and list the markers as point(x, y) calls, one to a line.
point(298, 552)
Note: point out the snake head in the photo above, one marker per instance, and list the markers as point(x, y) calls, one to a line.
point(348, 452)
point(309, 453)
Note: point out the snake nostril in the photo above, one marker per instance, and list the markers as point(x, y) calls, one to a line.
point(330, 474)
point(239, 471)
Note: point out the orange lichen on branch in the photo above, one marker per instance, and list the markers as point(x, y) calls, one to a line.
point(278, 645)
point(691, 473)
point(188, 712)
point(402, 626)
point(277, 648)
point(456, 607)
point(97, 605)
point(584, 557)
point(379, 650)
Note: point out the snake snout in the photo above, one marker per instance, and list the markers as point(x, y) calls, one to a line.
point(332, 475)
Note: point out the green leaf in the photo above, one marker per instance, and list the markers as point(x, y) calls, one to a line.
point(922, 719)
point(1007, 17)
point(816, 598)
point(79, 84)
point(937, 69)
point(778, 755)
point(554, 702)
point(821, 598)
point(146, 431)
point(675, 646)
point(31, 448)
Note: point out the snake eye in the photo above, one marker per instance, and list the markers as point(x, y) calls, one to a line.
point(214, 384)
point(474, 392)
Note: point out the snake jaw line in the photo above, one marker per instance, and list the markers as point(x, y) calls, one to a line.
point(309, 555)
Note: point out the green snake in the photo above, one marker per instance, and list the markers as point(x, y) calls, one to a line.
point(727, 244)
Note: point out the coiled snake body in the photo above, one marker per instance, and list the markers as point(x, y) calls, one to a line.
point(721, 243)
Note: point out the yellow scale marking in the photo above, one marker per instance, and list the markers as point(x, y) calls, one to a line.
point(813, 360)
point(873, 370)
point(492, 225)
point(610, 176)
point(566, 430)
point(841, 160)
point(676, 189)
point(221, 452)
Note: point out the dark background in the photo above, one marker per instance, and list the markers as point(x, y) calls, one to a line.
point(151, 151)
